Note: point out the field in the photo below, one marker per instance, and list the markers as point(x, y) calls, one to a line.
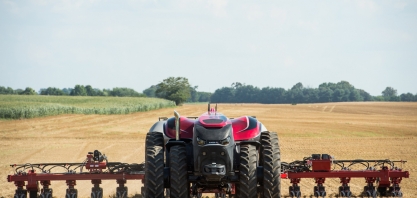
point(21, 106)
point(345, 130)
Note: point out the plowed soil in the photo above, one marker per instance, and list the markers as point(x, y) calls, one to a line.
point(345, 130)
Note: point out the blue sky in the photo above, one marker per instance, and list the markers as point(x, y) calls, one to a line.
point(136, 44)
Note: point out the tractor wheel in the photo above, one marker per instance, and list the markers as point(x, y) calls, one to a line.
point(270, 159)
point(247, 185)
point(179, 174)
point(154, 165)
point(46, 193)
point(33, 194)
point(96, 192)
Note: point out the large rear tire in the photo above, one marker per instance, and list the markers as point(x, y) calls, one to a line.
point(270, 159)
point(180, 187)
point(154, 165)
point(247, 185)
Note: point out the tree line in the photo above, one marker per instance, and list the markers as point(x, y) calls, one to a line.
point(178, 89)
point(78, 90)
point(326, 92)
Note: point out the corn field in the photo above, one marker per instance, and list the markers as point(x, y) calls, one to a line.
point(19, 106)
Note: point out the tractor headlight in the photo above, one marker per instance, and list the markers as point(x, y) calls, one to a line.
point(225, 141)
point(200, 141)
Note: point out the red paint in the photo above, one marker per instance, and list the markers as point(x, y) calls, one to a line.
point(240, 126)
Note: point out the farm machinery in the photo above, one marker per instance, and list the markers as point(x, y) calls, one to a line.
point(230, 157)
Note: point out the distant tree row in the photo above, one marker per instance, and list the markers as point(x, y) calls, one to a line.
point(178, 89)
point(78, 90)
point(326, 92)
point(10, 91)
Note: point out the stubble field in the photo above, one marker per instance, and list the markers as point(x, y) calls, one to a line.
point(345, 130)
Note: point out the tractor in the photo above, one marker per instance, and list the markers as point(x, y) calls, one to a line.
point(231, 157)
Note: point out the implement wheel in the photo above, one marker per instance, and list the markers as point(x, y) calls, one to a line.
point(270, 159)
point(180, 187)
point(247, 185)
point(154, 165)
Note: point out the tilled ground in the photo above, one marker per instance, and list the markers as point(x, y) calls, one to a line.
point(344, 130)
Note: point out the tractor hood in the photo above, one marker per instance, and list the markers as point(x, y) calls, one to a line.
point(212, 133)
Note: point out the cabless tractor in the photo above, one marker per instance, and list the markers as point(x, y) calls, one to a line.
point(189, 156)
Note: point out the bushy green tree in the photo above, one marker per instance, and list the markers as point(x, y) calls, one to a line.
point(176, 89)
point(67, 91)
point(90, 90)
point(79, 90)
point(150, 92)
point(28, 91)
point(408, 97)
point(390, 94)
point(8, 90)
point(125, 92)
point(52, 91)
point(194, 95)
point(224, 94)
point(204, 96)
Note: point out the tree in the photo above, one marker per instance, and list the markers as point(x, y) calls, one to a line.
point(90, 91)
point(176, 89)
point(389, 94)
point(52, 91)
point(28, 91)
point(8, 90)
point(204, 96)
point(79, 90)
point(407, 97)
point(150, 92)
point(325, 94)
point(125, 92)
point(224, 94)
point(67, 91)
point(193, 94)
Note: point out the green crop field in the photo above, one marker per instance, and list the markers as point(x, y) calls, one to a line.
point(19, 106)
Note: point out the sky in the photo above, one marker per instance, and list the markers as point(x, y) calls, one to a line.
point(213, 43)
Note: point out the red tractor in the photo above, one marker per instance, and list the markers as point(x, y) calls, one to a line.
point(188, 156)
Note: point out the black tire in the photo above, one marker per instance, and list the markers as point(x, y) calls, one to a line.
point(154, 165)
point(247, 185)
point(382, 191)
point(71, 193)
point(121, 192)
point(96, 192)
point(33, 194)
point(179, 174)
point(270, 159)
point(21, 194)
point(46, 193)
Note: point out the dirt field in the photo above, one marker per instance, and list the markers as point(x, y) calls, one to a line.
point(345, 130)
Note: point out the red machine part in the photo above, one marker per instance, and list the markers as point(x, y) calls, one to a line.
point(321, 169)
point(94, 166)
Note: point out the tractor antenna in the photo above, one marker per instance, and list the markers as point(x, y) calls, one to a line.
point(215, 109)
point(208, 108)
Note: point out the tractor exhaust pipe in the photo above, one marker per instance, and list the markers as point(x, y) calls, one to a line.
point(177, 125)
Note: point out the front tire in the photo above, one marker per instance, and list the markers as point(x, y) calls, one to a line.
point(270, 159)
point(154, 165)
point(247, 185)
point(179, 174)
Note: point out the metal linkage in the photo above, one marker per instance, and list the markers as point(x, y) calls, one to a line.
point(319, 167)
point(95, 168)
